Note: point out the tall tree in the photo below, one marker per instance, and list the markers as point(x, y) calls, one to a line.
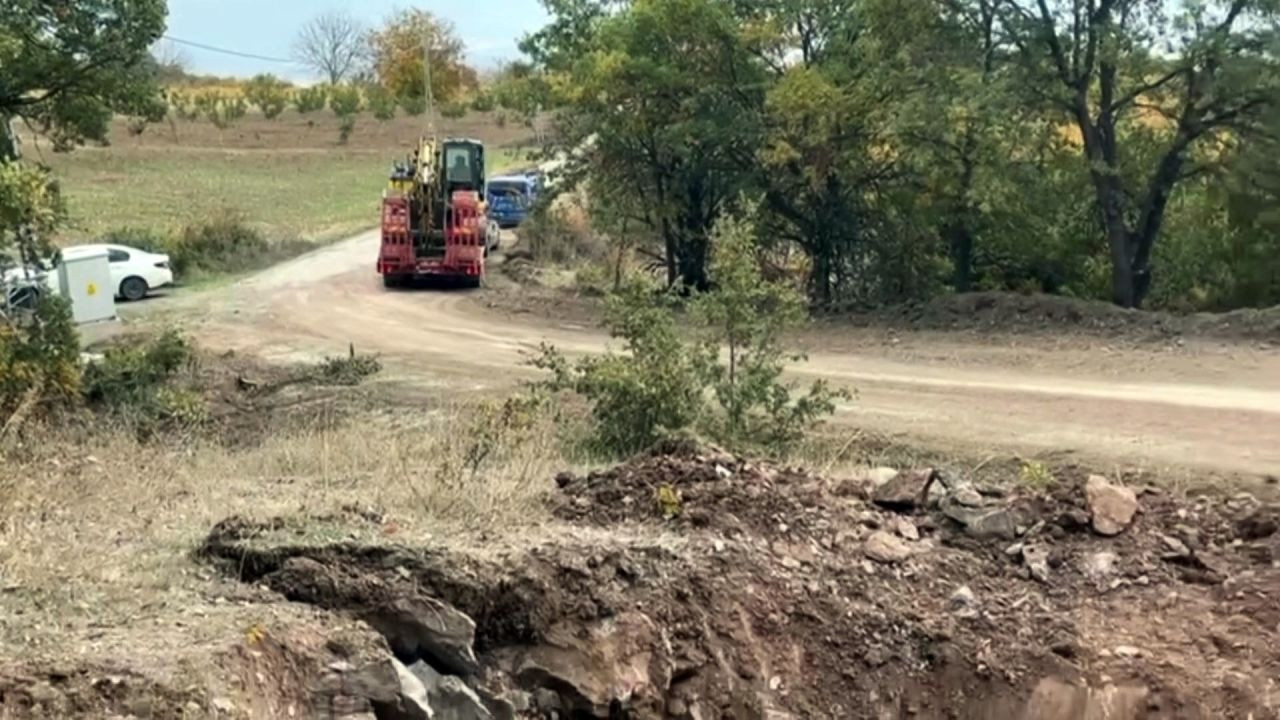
point(397, 51)
point(1198, 71)
point(333, 45)
point(656, 92)
point(67, 67)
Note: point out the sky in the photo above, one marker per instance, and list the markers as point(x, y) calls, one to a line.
point(490, 29)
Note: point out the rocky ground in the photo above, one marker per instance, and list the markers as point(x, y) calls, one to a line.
point(689, 583)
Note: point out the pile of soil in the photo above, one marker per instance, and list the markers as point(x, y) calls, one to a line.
point(1012, 312)
point(689, 583)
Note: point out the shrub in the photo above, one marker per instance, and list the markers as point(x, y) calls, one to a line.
point(453, 110)
point(413, 105)
point(483, 103)
point(380, 102)
point(268, 93)
point(309, 100)
point(39, 360)
point(134, 384)
point(344, 100)
point(667, 382)
point(748, 315)
point(637, 397)
point(346, 126)
point(224, 243)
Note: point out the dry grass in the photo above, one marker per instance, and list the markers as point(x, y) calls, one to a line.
point(99, 535)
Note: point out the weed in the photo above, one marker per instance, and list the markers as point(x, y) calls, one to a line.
point(1035, 474)
point(349, 370)
point(223, 243)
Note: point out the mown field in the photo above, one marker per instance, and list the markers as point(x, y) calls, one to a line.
point(289, 177)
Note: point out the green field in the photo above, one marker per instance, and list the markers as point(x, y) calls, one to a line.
point(287, 193)
point(301, 186)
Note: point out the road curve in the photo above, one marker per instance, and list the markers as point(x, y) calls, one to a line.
point(1213, 410)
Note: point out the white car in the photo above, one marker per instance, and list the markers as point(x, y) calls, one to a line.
point(134, 272)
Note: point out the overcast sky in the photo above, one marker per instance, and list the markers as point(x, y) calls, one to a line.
point(490, 28)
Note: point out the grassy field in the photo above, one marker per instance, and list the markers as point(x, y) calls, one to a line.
point(288, 177)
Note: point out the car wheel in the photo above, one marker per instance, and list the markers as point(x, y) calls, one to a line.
point(133, 289)
point(391, 281)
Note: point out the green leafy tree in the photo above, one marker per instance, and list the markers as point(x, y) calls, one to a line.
point(381, 103)
point(68, 67)
point(748, 316)
point(654, 92)
point(724, 380)
point(656, 386)
point(268, 93)
point(309, 100)
point(344, 100)
point(1193, 72)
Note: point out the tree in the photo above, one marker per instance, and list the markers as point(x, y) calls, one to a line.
point(397, 52)
point(1147, 84)
point(67, 67)
point(333, 45)
point(269, 93)
point(657, 94)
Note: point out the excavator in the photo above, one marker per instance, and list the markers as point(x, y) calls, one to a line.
point(434, 219)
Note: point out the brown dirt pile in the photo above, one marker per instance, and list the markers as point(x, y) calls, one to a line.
point(692, 584)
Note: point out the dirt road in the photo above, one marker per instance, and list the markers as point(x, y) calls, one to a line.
point(1201, 406)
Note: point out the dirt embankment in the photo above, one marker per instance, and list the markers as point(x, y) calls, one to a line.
point(689, 583)
point(1016, 313)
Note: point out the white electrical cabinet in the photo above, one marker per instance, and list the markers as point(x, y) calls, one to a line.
point(85, 281)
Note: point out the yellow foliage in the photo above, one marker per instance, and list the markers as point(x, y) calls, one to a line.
point(398, 57)
point(669, 502)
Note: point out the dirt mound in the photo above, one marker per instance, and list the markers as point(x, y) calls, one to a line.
point(695, 584)
point(1011, 312)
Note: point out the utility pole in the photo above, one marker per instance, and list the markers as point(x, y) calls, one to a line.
point(426, 75)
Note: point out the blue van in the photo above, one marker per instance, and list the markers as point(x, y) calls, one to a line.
point(510, 197)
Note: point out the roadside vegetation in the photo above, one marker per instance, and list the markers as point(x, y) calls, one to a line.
point(905, 150)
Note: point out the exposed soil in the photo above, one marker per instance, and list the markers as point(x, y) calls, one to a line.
point(692, 584)
point(1016, 313)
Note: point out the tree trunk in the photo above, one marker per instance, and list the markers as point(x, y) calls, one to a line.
point(961, 256)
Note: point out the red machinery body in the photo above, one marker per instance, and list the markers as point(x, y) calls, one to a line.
point(464, 241)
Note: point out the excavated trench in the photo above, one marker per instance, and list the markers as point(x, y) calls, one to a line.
point(784, 595)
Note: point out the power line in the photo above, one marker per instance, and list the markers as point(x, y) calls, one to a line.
point(224, 51)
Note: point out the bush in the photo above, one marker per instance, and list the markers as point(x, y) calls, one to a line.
point(413, 105)
point(309, 100)
point(483, 103)
point(669, 383)
point(453, 110)
point(224, 243)
point(268, 93)
point(346, 126)
point(39, 359)
point(134, 384)
point(637, 397)
point(380, 102)
point(344, 101)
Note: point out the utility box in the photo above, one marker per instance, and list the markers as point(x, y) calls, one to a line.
point(85, 281)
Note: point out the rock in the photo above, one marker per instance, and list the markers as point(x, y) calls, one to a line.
point(904, 492)
point(449, 698)
point(963, 602)
point(886, 548)
point(1261, 523)
point(1127, 651)
point(1036, 558)
point(1175, 549)
point(879, 476)
point(620, 662)
point(1111, 507)
point(416, 625)
point(983, 522)
point(968, 496)
point(904, 527)
point(413, 703)
point(1054, 699)
point(547, 700)
point(1099, 566)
